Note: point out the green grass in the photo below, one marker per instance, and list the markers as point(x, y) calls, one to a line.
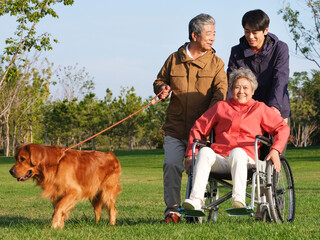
point(24, 214)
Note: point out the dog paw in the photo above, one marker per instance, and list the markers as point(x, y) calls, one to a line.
point(57, 225)
point(112, 223)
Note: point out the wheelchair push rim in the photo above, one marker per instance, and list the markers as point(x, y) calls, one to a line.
point(284, 193)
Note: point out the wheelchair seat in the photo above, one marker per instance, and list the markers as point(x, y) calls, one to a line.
point(227, 176)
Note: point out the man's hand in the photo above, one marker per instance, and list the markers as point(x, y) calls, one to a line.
point(274, 156)
point(166, 92)
point(187, 163)
point(275, 109)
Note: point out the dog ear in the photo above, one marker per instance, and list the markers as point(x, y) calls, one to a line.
point(17, 150)
point(36, 154)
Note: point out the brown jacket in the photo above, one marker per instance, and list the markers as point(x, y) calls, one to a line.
point(196, 85)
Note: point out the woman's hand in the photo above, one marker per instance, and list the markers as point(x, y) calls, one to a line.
point(187, 163)
point(275, 158)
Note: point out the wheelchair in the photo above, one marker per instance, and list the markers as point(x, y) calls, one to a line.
point(272, 193)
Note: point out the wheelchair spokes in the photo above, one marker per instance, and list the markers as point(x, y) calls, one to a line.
point(284, 193)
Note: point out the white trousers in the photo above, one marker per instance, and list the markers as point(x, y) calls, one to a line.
point(236, 164)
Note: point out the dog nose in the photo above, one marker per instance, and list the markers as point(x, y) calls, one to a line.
point(11, 171)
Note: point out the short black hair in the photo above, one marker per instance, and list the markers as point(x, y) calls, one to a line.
point(256, 19)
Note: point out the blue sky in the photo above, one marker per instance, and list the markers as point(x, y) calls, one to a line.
point(125, 43)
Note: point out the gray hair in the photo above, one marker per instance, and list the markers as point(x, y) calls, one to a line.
point(243, 73)
point(196, 24)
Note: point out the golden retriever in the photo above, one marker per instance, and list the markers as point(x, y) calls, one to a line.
point(68, 177)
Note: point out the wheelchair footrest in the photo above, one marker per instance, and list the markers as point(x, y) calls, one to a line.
point(240, 211)
point(191, 213)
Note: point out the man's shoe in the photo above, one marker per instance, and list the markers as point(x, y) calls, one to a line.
point(237, 204)
point(191, 204)
point(171, 217)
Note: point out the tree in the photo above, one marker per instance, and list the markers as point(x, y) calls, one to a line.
point(32, 91)
point(305, 28)
point(153, 122)
point(126, 104)
point(106, 120)
point(27, 105)
point(305, 102)
point(28, 13)
point(89, 117)
point(73, 82)
point(61, 122)
point(304, 25)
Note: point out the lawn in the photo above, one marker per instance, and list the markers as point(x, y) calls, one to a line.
point(24, 214)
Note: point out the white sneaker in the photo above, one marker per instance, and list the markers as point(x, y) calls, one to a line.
point(238, 204)
point(191, 204)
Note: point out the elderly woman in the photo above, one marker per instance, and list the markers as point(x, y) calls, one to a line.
point(236, 123)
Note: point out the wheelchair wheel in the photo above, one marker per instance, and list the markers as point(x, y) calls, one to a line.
point(211, 194)
point(281, 194)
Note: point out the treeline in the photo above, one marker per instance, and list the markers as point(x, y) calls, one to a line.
point(67, 122)
point(30, 113)
point(35, 117)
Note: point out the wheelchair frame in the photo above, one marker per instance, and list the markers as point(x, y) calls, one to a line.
point(272, 192)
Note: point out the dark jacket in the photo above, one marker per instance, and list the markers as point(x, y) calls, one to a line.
point(271, 68)
point(196, 85)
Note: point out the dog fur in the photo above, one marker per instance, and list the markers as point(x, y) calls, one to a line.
point(68, 177)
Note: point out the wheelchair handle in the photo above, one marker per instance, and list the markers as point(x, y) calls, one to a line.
point(264, 140)
point(202, 143)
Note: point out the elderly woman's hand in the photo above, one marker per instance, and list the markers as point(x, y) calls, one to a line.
point(275, 158)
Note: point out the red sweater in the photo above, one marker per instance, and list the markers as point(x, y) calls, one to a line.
point(236, 125)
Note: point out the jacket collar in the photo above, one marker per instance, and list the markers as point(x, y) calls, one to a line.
point(200, 62)
point(241, 106)
point(271, 40)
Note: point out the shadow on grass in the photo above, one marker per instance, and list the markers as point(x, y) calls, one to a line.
point(20, 222)
point(137, 221)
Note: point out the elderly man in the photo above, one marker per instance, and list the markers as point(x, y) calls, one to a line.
point(196, 80)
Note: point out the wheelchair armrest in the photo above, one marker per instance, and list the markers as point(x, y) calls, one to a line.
point(264, 140)
point(202, 143)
